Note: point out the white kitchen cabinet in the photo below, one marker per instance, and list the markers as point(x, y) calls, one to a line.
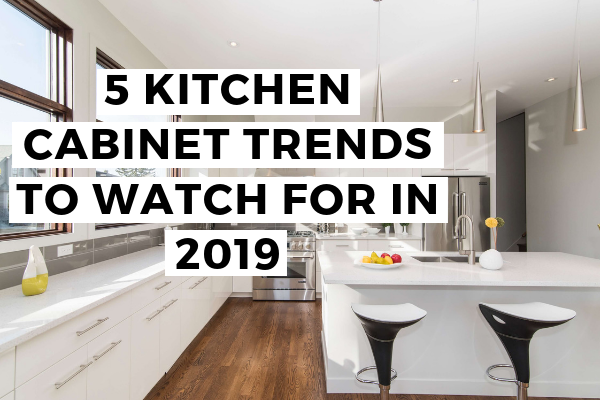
point(448, 168)
point(65, 380)
point(196, 295)
point(341, 245)
point(222, 286)
point(170, 329)
point(9, 396)
point(7, 371)
point(319, 287)
point(242, 284)
point(33, 356)
point(400, 172)
point(351, 172)
point(108, 376)
point(470, 154)
point(145, 350)
point(368, 172)
point(394, 245)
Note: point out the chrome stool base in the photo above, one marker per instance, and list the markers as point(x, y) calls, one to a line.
point(521, 386)
point(384, 391)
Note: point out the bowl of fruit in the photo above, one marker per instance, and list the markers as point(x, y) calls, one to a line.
point(383, 261)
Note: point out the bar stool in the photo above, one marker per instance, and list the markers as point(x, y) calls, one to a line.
point(515, 325)
point(381, 324)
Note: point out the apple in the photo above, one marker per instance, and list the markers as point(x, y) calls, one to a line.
point(396, 258)
point(384, 255)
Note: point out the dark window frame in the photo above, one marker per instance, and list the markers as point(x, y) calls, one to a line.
point(60, 102)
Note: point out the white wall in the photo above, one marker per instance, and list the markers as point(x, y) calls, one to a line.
point(93, 27)
point(563, 175)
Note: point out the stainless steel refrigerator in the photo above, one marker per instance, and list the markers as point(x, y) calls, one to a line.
point(466, 195)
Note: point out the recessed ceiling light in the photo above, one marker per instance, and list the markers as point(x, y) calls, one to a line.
point(233, 44)
point(551, 79)
point(455, 80)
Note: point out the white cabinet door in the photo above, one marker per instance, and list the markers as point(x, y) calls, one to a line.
point(352, 172)
point(108, 377)
point(7, 371)
point(145, 345)
point(448, 169)
point(242, 284)
point(10, 396)
point(341, 245)
point(196, 294)
point(395, 245)
point(65, 380)
point(375, 172)
point(222, 286)
point(470, 154)
point(170, 329)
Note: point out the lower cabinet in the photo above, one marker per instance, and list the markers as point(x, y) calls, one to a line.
point(222, 286)
point(242, 284)
point(196, 295)
point(170, 329)
point(65, 380)
point(145, 350)
point(108, 376)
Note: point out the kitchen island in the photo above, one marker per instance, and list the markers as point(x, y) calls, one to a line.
point(449, 351)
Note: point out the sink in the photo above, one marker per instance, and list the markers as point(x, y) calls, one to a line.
point(459, 259)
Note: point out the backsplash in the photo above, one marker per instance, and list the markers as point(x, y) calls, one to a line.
point(85, 252)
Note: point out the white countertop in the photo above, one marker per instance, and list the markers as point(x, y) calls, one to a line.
point(520, 269)
point(364, 236)
point(72, 293)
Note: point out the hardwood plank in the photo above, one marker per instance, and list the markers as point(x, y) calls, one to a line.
point(258, 351)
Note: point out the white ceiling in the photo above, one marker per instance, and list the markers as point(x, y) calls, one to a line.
point(424, 43)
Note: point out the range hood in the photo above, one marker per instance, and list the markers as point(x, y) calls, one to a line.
point(276, 172)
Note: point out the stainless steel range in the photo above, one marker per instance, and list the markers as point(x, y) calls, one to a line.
point(301, 280)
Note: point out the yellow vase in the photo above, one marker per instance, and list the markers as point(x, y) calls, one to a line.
point(35, 278)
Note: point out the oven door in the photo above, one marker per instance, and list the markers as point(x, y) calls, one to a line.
point(301, 273)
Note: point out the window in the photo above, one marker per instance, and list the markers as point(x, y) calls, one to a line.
point(35, 86)
point(103, 61)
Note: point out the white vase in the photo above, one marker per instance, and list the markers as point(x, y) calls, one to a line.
point(491, 259)
point(387, 230)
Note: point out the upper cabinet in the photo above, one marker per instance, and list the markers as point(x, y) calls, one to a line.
point(464, 154)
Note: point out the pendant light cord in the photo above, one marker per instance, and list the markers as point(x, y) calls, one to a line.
point(577, 31)
point(378, 31)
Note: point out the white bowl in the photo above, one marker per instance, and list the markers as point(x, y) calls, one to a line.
point(373, 231)
point(358, 231)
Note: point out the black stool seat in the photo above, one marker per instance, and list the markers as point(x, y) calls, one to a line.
point(515, 325)
point(381, 324)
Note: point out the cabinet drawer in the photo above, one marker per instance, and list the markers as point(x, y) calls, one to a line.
point(195, 307)
point(145, 350)
point(7, 371)
point(395, 245)
point(150, 291)
point(66, 380)
point(341, 245)
point(170, 329)
point(108, 376)
point(39, 353)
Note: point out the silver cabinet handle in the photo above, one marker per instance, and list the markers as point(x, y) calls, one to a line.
point(112, 346)
point(82, 368)
point(447, 169)
point(162, 285)
point(154, 314)
point(169, 304)
point(197, 283)
point(342, 245)
point(396, 246)
point(98, 322)
point(462, 169)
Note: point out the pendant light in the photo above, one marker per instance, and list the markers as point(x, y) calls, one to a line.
point(579, 121)
point(478, 122)
point(379, 94)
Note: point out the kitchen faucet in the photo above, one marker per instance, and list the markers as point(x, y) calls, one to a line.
point(471, 251)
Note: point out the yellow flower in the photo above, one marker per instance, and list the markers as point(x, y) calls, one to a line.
point(491, 222)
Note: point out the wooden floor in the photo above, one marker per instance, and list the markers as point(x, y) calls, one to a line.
point(260, 351)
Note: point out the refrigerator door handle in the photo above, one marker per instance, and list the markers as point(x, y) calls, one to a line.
point(463, 210)
point(455, 214)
